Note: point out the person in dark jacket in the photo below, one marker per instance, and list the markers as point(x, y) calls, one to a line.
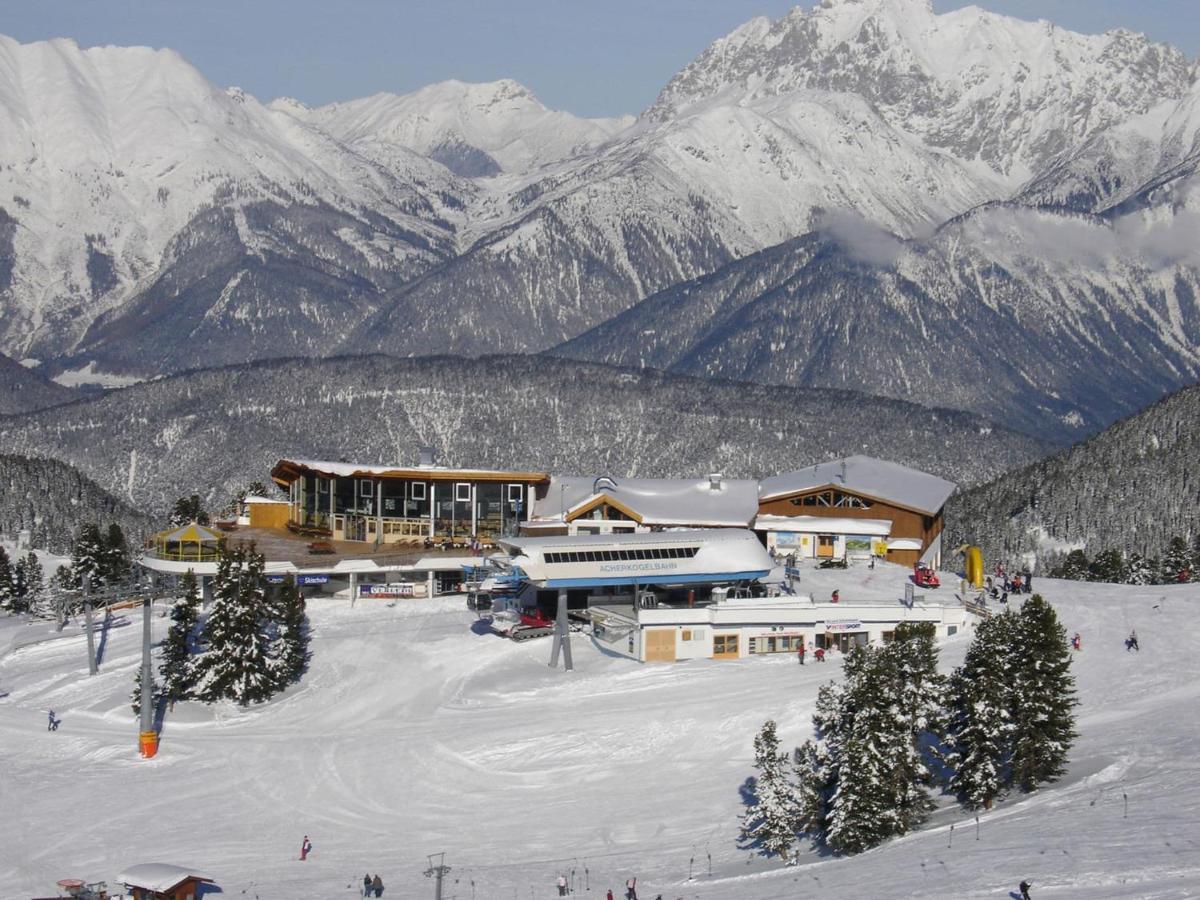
point(1024, 888)
point(377, 886)
point(367, 885)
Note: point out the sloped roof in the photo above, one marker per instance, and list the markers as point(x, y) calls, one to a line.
point(191, 533)
point(160, 877)
point(287, 470)
point(656, 501)
point(875, 478)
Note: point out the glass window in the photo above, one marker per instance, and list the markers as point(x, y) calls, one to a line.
point(462, 492)
point(418, 490)
point(516, 493)
point(365, 487)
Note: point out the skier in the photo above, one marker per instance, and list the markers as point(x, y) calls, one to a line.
point(377, 886)
point(836, 596)
point(367, 885)
point(610, 896)
point(820, 654)
point(305, 846)
point(800, 653)
point(1024, 888)
point(1131, 642)
point(52, 724)
point(1077, 641)
point(562, 885)
point(631, 889)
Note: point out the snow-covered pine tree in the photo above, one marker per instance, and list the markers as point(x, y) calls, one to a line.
point(177, 671)
point(238, 664)
point(863, 808)
point(771, 823)
point(31, 584)
point(1140, 570)
point(1074, 567)
point(979, 725)
point(7, 594)
point(1177, 562)
point(918, 691)
point(189, 509)
point(87, 556)
point(817, 763)
point(1043, 712)
point(1109, 566)
point(292, 634)
point(115, 556)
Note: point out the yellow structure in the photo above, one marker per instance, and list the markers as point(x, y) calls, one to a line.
point(974, 565)
point(191, 543)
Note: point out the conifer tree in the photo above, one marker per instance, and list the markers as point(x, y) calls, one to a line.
point(817, 762)
point(773, 820)
point(177, 670)
point(189, 509)
point(1140, 570)
point(115, 564)
point(238, 663)
point(87, 556)
point(7, 592)
point(292, 630)
point(1177, 561)
point(1044, 701)
point(979, 730)
point(29, 579)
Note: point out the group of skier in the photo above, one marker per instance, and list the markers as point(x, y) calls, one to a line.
point(372, 887)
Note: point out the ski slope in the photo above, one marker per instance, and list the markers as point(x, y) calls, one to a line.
point(415, 733)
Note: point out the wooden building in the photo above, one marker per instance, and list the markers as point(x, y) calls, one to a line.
point(162, 881)
point(854, 506)
point(396, 504)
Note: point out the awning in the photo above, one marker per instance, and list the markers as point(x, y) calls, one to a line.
point(191, 533)
point(904, 544)
point(823, 525)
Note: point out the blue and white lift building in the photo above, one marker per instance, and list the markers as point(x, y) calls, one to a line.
point(694, 594)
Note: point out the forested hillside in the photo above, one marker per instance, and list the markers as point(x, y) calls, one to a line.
point(1131, 488)
point(214, 431)
point(22, 390)
point(51, 499)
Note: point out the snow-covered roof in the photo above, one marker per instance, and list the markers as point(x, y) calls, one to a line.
point(874, 478)
point(655, 501)
point(157, 876)
point(293, 467)
point(257, 498)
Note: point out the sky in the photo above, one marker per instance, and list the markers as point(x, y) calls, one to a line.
point(591, 58)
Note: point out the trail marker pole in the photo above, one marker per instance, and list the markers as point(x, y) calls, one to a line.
point(1125, 797)
point(977, 828)
point(147, 738)
point(87, 614)
point(950, 843)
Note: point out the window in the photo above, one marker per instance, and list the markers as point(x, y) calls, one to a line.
point(417, 490)
point(725, 645)
point(462, 492)
point(365, 487)
point(516, 493)
point(322, 485)
point(632, 555)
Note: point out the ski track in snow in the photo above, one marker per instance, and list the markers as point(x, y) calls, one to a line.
point(412, 735)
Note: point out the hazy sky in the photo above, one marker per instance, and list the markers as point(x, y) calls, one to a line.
point(592, 58)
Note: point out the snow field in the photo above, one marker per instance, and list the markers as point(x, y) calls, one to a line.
point(414, 733)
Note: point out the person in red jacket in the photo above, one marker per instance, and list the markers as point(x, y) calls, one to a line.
point(610, 896)
point(820, 654)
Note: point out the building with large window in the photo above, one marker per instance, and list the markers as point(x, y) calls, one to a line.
point(395, 504)
point(854, 506)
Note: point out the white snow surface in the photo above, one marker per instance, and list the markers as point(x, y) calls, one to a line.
point(415, 734)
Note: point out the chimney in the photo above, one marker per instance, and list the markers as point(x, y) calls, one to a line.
point(843, 471)
point(425, 457)
point(714, 481)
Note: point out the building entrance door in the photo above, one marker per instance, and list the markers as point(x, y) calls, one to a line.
point(660, 644)
point(825, 546)
point(845, 641)
point(357, 530)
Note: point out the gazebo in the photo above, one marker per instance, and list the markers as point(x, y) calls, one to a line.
point(191, 543)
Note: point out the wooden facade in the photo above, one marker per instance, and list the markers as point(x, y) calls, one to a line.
point(833, 501)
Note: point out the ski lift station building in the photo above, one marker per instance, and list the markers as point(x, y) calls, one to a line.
point(675, 595)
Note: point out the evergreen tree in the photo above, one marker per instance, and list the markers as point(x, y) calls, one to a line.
point(817, 762)
point(1043, 698)
point(238, 664)
point(772, 822)
point(979, 727)
point(189, 509)
point(115, 566)
point(1109, 566)
point(87, 557)
point(1140, 570)
point(1074, 567)
point(31, 586)
point(177, 671)
point(7, 592)
point(293, 654)
point(1177, 562)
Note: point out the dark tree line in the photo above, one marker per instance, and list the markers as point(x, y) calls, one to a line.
point(894, 731)
point(1178, 563)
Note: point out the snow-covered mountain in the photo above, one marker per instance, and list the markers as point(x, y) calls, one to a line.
point(150, 221)
point(117, 160)
point(473, 129)
point(1009, 93)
